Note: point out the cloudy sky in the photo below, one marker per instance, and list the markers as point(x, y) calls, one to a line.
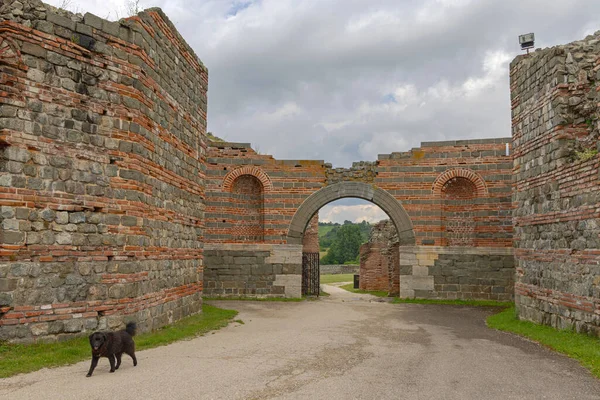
point(345, 80)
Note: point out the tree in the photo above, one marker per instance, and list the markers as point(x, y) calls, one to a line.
point(345, 246)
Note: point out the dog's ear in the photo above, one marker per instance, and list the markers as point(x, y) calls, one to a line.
point(105, 337)
point(90, 337)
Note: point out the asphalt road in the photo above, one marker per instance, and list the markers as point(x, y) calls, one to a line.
point(343, 347)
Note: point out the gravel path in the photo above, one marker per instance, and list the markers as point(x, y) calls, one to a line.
point(345, 346)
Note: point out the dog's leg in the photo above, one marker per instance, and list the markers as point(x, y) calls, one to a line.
point(132, 355)
point(93, 366)
point(111, 360)
point(118, 356)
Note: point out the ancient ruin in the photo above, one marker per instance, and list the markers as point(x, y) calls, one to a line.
point(555, 123)
point(117, 206)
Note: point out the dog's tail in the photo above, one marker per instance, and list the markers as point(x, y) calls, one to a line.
point(131, 328)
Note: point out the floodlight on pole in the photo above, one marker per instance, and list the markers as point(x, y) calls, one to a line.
point(526, 41)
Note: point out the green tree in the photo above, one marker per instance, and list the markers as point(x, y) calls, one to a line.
point(345, 246)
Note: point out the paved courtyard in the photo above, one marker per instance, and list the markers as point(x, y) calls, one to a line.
point(346, 346)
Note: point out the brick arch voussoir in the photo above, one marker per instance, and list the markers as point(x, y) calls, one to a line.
point(474, 177)
point(388, 203)
point(247, 170)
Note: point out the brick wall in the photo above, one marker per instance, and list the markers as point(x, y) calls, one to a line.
point(417, 179)
point(438, 184)
point(247, 203)
point(555, 137)
point(379, 259)
point(101, 190)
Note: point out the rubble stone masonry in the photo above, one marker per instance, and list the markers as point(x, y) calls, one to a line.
point(102, 155)
point(555, 124)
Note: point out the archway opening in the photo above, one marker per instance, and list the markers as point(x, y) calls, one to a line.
point(357, 240)
point(389, 205)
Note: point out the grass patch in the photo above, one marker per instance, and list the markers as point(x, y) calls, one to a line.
point(583, 348)
point(336, 278)
point(350, 287)
point(455, 302)
point(248, 298)
point(21, 358)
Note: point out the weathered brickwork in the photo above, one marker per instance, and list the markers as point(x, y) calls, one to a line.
point(416, 179)
point(430, 183)
point(102, 174)
point(247, 202)
point(379, 259)
point(555, 124)
point(455, 272)
point(310, 241)
point(458, 222)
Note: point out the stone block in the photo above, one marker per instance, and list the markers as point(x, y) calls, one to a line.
point(12, 237)
point(8, 284)
point(420, 270)
point(73, 325)
point(40, 329)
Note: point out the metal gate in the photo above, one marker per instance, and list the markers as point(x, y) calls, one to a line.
point(310, 274)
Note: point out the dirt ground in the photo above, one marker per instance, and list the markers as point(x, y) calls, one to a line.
point(346, 346)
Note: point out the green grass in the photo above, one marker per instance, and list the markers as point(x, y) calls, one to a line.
point(350, 287)
point(456, 302)
point(336, 278)
point(20, 358)
point(248, 298)
point(583, 348)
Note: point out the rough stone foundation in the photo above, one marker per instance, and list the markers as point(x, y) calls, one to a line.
point(257, 270)
point(484, 273)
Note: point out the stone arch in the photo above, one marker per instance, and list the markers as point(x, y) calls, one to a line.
point(388, 203)
point(466, 173)
point(247, 170)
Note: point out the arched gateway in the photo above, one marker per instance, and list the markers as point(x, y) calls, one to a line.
point(392, 207)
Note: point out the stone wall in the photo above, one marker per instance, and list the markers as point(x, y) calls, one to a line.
point(555, 124)
point(457, 272)
point(363, 171)
point(102, 155)
point(339, 269)
point(258, 270)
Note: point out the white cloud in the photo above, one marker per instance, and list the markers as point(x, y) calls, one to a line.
point(344, 80)
point(355, 213)
point(282, 113)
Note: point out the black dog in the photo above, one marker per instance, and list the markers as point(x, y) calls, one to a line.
point(112, 345)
